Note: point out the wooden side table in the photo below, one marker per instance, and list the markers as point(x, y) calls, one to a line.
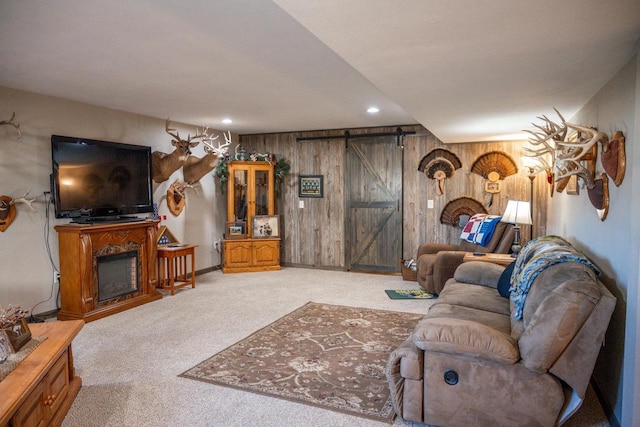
point(174, 269)
point(501, 259)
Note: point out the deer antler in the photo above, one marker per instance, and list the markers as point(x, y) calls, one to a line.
point(11, 122)
point(176, 135)
point(578, 149)
point(23, 199)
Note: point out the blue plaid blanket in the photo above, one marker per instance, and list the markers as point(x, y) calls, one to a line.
point(535, 257)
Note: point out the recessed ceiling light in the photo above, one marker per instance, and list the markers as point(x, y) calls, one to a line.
point(227, 121)
point(373, 110)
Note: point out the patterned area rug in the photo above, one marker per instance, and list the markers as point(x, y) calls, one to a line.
point(324, 355)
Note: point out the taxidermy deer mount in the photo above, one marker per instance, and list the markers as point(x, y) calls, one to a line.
point(11, 122)
point(8, 209)
point(163, 164)
point(195, 168)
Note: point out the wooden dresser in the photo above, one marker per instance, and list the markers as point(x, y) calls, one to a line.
point(41, 389)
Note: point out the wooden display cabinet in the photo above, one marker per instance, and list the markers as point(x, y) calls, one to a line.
point(250, 192)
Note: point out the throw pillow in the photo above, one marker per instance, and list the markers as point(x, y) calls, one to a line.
point(471, 228)
point(486, 229)
point(504, 283)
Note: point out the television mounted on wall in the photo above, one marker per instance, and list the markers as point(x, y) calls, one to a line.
point(96, 180)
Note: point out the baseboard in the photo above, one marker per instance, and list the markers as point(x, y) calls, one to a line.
point(606, 407)
point(208, 270)
point(313, 267)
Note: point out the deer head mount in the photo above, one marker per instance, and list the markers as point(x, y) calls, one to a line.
point(12, 122)
point(8, 209)
point(195, 168)
point(162, 164)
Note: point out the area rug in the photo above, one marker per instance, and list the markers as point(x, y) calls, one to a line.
point(410, 294)
point(324, 355)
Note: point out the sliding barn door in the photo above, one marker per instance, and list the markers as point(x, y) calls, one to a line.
point(374, 206)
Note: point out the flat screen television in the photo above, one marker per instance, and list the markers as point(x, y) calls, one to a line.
point(100, 181)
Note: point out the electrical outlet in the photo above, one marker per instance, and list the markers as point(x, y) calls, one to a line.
point(56, 277)
point(429, 204)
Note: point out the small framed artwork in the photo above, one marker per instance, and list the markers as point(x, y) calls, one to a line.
point(310, 186)
point(19, 334)
point(265, 226)
point(5, 347)
point(236, 230)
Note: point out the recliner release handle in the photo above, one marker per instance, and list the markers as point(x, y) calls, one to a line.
point(450, 377)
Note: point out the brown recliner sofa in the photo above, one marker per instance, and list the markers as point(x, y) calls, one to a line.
point(472, 362)
point(436, 262)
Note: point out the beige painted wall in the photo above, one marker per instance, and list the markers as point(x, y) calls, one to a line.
point(25, 164)
point(613, 244)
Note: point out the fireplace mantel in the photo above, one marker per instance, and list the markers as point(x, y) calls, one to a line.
point(80, 246)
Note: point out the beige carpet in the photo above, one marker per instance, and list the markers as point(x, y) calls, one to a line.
point(129, 362)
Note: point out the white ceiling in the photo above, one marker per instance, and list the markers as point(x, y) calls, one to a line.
point(467, 70)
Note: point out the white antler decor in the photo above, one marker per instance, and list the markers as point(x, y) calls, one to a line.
point(11, 122)
point(8, 209)
point(573, 151)
point(195, 168)
point(577, 155)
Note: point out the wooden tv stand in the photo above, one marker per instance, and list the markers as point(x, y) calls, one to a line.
point(41, 389)
point(80, 247)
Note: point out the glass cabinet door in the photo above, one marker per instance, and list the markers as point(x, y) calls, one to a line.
point(262, 191)
point(240, 187)
point(250, 188)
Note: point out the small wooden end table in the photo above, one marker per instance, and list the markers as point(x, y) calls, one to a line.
point(173, 267)
point(501, 259)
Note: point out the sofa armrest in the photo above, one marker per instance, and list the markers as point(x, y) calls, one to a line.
point(404, 374)
point(434, 248)
point(467, 338)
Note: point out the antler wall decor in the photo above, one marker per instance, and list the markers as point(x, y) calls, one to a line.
point(12, 122)
point(566, 150)
point(8, 209)
point(195, 168)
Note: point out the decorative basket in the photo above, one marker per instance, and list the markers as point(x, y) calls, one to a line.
point(407, 273)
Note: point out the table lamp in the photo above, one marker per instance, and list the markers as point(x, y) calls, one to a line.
point(517, 213)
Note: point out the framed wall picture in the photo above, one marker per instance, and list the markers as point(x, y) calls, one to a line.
point(265, 226)
point(236, 230)
point(310, 186)
point(19, 334)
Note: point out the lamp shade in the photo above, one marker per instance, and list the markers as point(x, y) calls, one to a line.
point(517, 212)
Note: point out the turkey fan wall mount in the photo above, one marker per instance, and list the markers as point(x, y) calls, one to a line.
point(462, 206)
point(439, 164)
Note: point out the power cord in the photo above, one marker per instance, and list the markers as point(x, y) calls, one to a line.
point(47, 245)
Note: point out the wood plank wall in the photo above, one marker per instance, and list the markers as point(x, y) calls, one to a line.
point(314, 236)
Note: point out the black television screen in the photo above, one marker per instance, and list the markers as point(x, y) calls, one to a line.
point(94, 179)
